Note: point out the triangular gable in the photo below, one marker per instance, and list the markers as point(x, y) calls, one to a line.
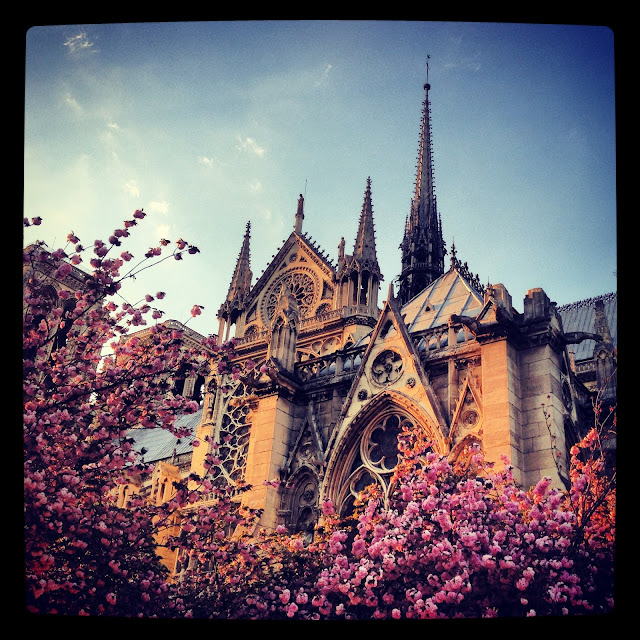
point(298, 253)
point(390, 363)
point(308, 450)
point(279, 261)
point(467, 416)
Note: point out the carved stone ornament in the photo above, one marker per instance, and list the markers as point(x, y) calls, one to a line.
point(470, 418)
point(303, 288)
point(566, 395)
point(387, 367)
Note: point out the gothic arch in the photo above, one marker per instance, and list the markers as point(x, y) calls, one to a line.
point(461, 456)
point(366, 452)
point(301, 500)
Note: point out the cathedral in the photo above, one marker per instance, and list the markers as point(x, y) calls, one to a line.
point(343, 362)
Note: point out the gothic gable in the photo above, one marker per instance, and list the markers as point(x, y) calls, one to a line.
point(389, 390)
point(391, 362)
point(308, 275)
point(467, 415)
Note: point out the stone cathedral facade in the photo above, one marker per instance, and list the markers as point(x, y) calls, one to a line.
point(349, 361)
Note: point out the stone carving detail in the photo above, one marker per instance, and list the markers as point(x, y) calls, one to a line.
point(302, 287)
point(470, 418)
point(387, 367)
point(380, 444)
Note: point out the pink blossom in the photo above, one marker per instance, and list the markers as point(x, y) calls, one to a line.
point(285, 596)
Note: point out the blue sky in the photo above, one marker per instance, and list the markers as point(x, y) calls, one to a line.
point(209, 125)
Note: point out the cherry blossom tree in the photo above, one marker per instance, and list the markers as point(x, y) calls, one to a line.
point(83, 554)
point(451, 541)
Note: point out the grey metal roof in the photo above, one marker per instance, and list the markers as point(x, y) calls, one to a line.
point(161, 444)
point(450, 293)
point(581, 315)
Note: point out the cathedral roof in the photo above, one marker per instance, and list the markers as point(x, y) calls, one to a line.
point(160, 444)
point(451, 293)
point(581, 316)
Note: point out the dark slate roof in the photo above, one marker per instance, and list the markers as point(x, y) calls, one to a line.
point(161, 444)
point(581, 315)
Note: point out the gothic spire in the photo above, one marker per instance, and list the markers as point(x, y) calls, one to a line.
point(364, 249)
point(242, 275)
point(359, 274)
point(422, 246)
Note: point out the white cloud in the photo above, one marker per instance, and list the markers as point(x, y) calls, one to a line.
point(250, 146)
point(131, 188)
point(325, 74)
point(79, 43)
point(158, 207)
point(163, 230)
point(255, 186)
point(73, 104)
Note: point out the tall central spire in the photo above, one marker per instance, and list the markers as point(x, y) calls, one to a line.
point(422, 246)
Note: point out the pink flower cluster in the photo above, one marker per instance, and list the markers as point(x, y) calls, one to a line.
point(84, 554)
point(451, 541)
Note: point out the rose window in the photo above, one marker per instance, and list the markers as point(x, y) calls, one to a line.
point(302, 287)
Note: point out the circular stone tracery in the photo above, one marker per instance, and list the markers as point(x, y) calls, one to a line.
point(303, 289)
point(387, 367)
point(380, 443)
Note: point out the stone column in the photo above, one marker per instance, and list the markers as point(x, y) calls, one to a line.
point(271, 425)
point(501, 405)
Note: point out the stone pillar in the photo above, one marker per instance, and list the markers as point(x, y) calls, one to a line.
point(501, 403)
point(543, 413)
point(271, 426)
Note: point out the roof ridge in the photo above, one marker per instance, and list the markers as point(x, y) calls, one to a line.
point(587, 302)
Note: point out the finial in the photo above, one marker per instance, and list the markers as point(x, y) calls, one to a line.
point(297, 227)
point(427, 85)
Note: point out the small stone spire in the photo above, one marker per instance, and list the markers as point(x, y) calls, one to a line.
point(297, 227)
point(359, 274)
point(364, 249)
point(240, 285)
point(242, 275)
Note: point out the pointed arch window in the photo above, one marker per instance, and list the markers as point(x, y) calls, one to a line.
point(375, 457)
